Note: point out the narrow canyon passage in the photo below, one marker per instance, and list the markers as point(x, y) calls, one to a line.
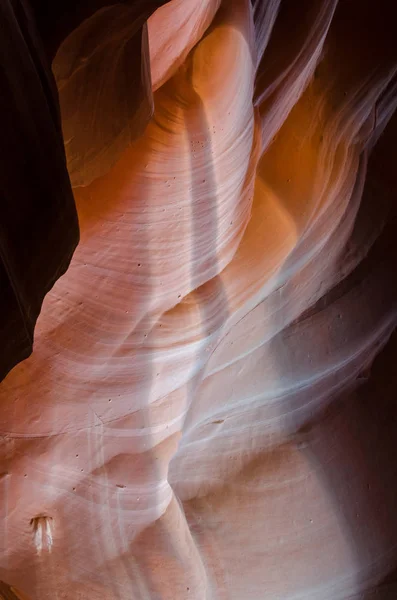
point(208, 411)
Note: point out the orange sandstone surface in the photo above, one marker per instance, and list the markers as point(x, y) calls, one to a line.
point(208, 412)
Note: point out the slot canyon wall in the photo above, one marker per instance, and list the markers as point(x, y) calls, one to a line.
point(209, 411)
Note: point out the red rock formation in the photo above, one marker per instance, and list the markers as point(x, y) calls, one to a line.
point(202, 416)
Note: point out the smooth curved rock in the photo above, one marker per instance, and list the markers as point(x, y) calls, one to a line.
point(209, 409)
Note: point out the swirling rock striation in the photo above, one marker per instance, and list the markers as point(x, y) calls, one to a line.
point(209, 408)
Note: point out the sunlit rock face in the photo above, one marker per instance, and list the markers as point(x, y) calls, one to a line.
point(209, 410)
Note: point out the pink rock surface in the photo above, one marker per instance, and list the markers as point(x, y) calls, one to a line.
point(197, 420)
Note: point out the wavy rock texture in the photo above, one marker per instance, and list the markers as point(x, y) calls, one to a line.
point(203, 415)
